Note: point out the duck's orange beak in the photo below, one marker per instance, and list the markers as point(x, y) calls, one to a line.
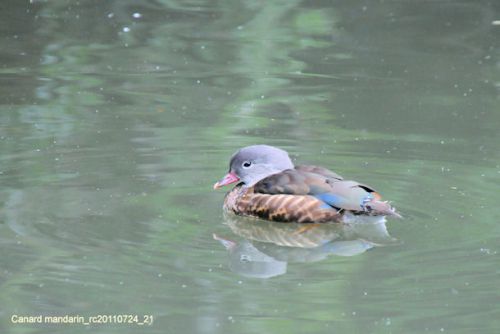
point(228, 179)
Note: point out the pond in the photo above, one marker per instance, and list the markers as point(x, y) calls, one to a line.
point(117, 118)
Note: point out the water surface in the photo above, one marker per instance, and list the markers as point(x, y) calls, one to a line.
point(117, 117)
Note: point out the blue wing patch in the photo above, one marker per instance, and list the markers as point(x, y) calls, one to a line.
point(330, 199)
point(325, 206)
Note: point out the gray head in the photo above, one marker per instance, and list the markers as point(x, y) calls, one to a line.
point(253, 163)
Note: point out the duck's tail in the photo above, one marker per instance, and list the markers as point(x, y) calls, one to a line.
point(376, 207)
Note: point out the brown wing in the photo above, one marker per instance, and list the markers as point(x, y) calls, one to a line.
point(339, 194)
point(293, 182)
point(320, 171)
point(281, 207)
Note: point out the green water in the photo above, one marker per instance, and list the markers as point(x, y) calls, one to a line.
point(116, 117)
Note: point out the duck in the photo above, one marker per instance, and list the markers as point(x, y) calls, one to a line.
point(270, 187)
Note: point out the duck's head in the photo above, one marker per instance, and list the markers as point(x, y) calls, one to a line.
point(251, 164)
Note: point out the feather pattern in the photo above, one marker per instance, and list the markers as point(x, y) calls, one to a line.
point(280, 207)
point(302, 195)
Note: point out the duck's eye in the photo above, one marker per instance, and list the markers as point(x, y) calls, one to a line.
point(246, 164)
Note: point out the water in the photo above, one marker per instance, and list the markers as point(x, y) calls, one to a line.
point(117, 117)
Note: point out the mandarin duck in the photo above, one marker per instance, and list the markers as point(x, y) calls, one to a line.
point(269, 186)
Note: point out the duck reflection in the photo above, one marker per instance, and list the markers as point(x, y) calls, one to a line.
point(268, 247)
